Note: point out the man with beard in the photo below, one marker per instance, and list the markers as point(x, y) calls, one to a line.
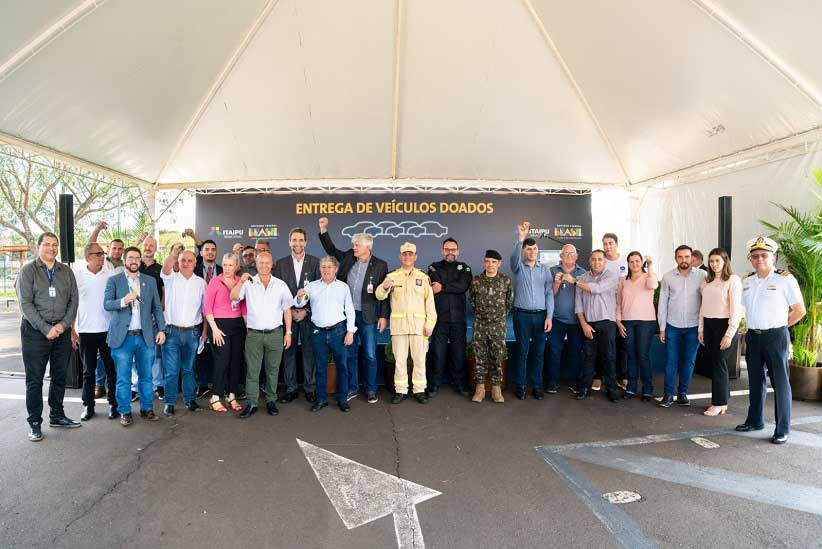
point(679, 303)
point(297, 270)
point(114, 258)
point(151, 268)
point(450, 280)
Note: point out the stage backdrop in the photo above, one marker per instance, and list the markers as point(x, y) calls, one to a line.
point(476, 222)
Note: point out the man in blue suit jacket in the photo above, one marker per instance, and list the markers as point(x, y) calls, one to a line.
point(135, 305)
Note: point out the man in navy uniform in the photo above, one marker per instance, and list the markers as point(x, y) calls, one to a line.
point(773, 302)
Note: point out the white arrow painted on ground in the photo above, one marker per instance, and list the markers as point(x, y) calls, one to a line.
point(361, 494)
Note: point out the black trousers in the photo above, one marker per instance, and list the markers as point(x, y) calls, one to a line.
point(600, 347)
point(621, 357)
point(228, 359)
point(767, 354)
point(713, 332)
point(90, 345)
point(37, 352)
point(302, 333)
point(448, 345)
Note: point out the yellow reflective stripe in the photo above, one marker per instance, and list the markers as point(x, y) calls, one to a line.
point(397, 315)
point(418, 315)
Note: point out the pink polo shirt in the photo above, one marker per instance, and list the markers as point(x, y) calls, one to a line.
point(217, 300)
point(635, 297)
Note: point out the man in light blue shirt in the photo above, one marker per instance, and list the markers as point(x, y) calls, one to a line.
point(565, 330)
point(533, 312)
point(678, 315)
point(334, 324)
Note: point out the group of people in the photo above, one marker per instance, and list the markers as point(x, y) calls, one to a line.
point(148, 326)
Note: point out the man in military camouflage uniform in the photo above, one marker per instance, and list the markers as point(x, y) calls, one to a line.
point(492, 296)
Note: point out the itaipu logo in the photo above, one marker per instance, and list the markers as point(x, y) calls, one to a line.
point(263, 231)
point(226, 233)
point(396, 229)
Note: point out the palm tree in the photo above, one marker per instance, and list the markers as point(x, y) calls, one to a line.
point(800, 243)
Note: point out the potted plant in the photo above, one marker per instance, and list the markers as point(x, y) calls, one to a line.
point(800, 244)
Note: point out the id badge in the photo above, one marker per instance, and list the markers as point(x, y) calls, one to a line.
point(52, 291)
point(234, 305)
point(370, 288)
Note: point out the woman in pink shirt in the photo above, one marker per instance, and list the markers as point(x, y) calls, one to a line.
point(225, 320)
point(636, 322)
point(719, 318)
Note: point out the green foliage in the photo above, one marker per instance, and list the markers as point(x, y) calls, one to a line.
point(800, 244)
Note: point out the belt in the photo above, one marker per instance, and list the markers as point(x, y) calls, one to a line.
point(760, 332)
point(254, 330)
point(339, 324)
point(185, 328)
point(529, 311)
point(135, 332)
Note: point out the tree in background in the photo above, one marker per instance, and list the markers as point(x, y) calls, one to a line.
point(29, 189)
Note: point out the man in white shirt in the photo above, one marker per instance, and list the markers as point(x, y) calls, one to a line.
point(268, 301)
point(334, 323)
point(184, 294)
point(91, 327)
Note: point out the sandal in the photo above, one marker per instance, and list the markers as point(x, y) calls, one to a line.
point(236, 406)
point(217, 406)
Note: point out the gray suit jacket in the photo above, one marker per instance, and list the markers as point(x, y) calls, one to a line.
point(116, 290)
point(284, 270)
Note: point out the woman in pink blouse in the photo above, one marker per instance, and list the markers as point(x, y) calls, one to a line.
point(225, 320)
point(636, 322)
point(719, 319)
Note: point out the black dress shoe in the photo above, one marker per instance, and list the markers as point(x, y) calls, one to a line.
point(744, 428)
point(202, 391)
point(168, 410)
point(113, 413)
point(135, 396)
point(519, 392)
point(779, 439)
point(582, 394)
point(311, 397)
point(647, 398)
point(248, 411)
point(88, 413)
point(462, 390)
point(397, 398)
point(613, 396)
point(317, 406)
point(35, 432)
point(161, 392)
point(126, 420)
point(552, 388)
point(344, 406)
point(149, 415)
point(628, 395)
point(682, 400)
point(288, 397)
point(193, 406)
point(64, 422)
point(666, 401)
point(271, 408)
point(421, 398)
point(432, 392)
point(539, 394)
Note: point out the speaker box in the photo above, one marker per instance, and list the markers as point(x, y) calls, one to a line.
point(66, 215)
point(725, 232)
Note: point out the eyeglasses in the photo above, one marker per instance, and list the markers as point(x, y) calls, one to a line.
point(758, 256)
point(569, 254)
point(96, 253)
point(449, 249)
point(248, 255)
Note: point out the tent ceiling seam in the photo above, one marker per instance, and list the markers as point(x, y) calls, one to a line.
point(580, 95)
point(770, 58)
point(395, 139)
point(49, 35)
point(215, 87)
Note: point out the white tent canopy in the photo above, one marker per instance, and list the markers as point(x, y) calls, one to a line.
point(427, 94)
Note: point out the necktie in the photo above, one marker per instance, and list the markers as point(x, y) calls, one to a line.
point(208, 274)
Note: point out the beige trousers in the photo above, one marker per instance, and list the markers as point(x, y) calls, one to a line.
point(418, 345)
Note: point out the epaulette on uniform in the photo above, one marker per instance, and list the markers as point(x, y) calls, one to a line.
point(783, 272)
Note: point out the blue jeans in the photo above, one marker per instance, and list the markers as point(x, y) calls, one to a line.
point(134, 346)
point(323, 342)
point(682, 345)
point(100, 373)
point(556, 342)
point(365, 336)
point(638, 342)
point(179, 352)
point(529, 332)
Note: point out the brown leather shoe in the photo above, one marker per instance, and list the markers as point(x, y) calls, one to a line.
point(149, 415)
point(126, 420)
point(479, 393)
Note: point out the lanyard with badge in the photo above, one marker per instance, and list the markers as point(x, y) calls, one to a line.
point(50, 275)
point(135, 289)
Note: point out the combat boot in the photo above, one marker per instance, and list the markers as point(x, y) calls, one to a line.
point(496, 394)
point(479, 393)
